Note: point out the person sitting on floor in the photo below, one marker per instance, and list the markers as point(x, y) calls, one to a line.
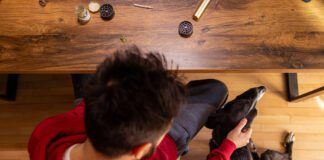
point(133, 108)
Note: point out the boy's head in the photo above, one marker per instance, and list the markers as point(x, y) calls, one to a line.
point(130, 102)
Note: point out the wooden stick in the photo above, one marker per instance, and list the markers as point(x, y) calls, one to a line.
point(142, 6)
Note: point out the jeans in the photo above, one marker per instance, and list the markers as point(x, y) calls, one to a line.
point(204, 97)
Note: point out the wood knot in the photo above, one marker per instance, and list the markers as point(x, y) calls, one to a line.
point(205, 29)
point(201, 42)
point(249, 23)
point(297, 65)
point(2, 49)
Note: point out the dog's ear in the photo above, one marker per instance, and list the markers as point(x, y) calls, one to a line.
point(215, 119)
point(250, 117)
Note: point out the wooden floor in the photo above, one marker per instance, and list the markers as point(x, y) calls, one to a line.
point(41, 96)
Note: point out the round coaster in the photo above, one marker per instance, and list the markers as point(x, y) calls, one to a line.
point(94, 6)
point(185, 29)
point(107, 12)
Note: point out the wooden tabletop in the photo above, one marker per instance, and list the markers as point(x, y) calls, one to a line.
point(235, 35)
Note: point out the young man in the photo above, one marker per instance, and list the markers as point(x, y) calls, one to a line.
point(131, 109)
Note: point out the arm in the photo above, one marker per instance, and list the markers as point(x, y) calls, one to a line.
point(235, 139)
point(223, 152)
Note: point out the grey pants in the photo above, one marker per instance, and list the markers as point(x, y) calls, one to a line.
point(204, 97)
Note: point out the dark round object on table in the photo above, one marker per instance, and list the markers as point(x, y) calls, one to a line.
point(42, 3)
point(185, 29)
point(107, 12)
point(306, 1)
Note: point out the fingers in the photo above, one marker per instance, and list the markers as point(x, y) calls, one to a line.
point(238, 137)
point(246, 136)
point(241, 125)
point(248, 133)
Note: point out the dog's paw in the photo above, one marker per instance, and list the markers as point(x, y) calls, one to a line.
point(251, 146)
point(290, 138)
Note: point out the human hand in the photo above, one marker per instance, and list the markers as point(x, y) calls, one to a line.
point(238, 137)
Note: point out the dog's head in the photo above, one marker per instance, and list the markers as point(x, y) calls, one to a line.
point(243, 106)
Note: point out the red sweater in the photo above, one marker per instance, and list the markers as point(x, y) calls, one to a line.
point(52, 137)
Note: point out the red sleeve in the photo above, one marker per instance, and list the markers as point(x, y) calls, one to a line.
point(223, 152)
point(167, 150)
point(52, 136)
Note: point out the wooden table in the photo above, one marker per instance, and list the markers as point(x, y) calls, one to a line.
point(233, 35)
point(236, 35)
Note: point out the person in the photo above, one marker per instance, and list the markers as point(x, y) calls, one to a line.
point(133, 108)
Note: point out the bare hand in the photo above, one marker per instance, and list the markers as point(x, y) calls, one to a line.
point(238, 137)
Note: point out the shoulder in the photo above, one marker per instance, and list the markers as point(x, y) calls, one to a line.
point(54, 127)
point(167, 150)
point(55, 123)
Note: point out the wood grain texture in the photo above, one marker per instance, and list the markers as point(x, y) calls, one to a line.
point(245, 35)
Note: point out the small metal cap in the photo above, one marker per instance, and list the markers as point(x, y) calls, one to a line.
point(107, 12)
point(185, 29)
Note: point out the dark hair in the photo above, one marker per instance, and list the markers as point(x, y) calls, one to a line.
point(131, 100)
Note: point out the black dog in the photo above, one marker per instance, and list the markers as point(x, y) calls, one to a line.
point(227, 118)
point(243, 106)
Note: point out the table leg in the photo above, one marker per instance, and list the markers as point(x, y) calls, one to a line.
point(292, 88)
point(11, 87)
point(79, 81)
